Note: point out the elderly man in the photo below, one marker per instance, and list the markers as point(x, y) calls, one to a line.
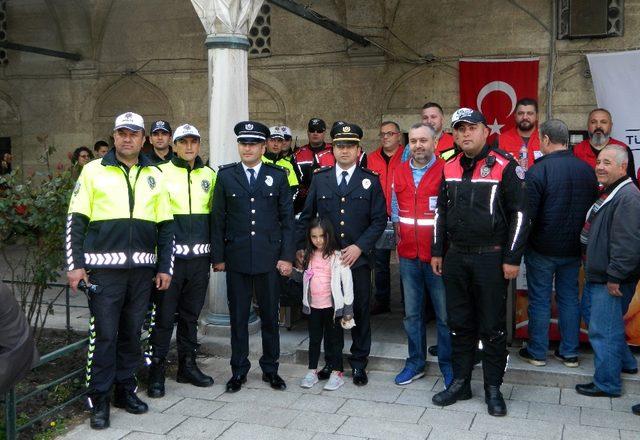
point(599, 127)
point(611, 236)
point(561, 188)
point(522, 141)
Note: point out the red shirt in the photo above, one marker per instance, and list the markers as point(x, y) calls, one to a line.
point(511, 142)
point(377, 163)
point(585, 152)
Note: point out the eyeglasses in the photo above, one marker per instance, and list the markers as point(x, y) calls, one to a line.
point(388, 134)
point(85, 156)
point(316, 131)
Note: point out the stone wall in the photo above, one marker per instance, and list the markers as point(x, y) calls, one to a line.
point(148, 56)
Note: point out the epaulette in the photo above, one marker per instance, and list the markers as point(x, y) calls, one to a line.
point(503, 153)
point(367, 170)
point(321, 169)
point(229, 165)
point(273, 165)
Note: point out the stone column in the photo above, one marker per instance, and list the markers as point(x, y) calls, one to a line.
point(227, 24)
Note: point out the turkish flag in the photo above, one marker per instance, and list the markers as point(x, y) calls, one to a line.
point(494, 86)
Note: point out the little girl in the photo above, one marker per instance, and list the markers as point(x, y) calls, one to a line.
point(327, 296)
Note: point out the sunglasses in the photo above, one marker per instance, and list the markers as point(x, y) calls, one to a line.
point(316, 131)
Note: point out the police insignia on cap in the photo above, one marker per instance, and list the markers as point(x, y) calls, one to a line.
point(248, 127)
point(151, 181)
point(128, 115)
point(346, 129)
point(315, 121)
point(187, 127)
point(268, 180)
point(160, 123)
point(205, 185)
point(484, 171)
point(520, 172)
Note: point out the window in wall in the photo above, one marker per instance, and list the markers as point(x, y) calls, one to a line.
point(260, 33)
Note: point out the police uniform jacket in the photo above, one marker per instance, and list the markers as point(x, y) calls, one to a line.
point(119, 217)
point(482, 203)
point(358, 217)
point(191, 194)
point(252, 228)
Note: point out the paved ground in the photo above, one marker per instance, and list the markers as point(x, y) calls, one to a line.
point(380, 410)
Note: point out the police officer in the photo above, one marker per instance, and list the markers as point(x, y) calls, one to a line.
point(190, 184)
point(119, 233)
point(480, 217)
point(252, 240)
point(308, 158)
point(351, 198)
point(274, 155)
point(160, 139)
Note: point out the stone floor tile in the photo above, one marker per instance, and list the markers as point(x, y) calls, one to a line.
point(371, 392)
point(271, 398)
point(199, 428)
point(383, 429)
point(318, 403)
point(532, 393)
point(554, 413)
point(209, 393)
point(380, 410)
point(194, 407)
point(141, 436)
point(323, 436)
point(417, 398)
point(317, 422)
point(625, 402)
point(159, 405)
point(628, 435)
point(84, 431)
point(155, 423)
point(444, 433)
point(493, 436)
point(514, 427)
point(575, 432)
point(255, 413)
point(610, 419)
point(458, 420)
point(243, 431)
point(515, 408)
point(570, 397)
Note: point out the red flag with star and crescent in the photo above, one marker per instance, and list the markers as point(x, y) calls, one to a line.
point(494, 86)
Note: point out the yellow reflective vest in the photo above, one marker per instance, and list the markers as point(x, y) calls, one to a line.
point(119, 217)
point(191, 196)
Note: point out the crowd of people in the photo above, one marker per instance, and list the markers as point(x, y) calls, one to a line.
point(462, 214)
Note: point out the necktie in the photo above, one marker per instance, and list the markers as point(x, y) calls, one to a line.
point(343, 183)
point(252, 177)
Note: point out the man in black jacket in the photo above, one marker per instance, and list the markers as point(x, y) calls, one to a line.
point(560, 188)
point(611, 235)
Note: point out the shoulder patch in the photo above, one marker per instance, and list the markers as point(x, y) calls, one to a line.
point(229, 165)
point(367, 170)
point(276, 166)
point(520, 172)
point(503, 153)
point(321, 169)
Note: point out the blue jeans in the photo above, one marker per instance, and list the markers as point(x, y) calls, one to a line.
point(417, 279)
point(541, 270)
point(606, 334)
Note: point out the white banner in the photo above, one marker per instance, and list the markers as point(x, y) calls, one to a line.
point(617, 85)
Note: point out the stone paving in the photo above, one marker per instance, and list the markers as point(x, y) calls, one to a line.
point(380, 410)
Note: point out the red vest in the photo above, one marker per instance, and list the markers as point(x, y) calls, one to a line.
point(417, 209)
point(304, 156)
point(444, 143)
point(584, 151)
point(375, 162)
point(511, 142)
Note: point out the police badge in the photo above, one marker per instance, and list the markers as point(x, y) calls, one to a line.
point(268, 180)
point(205, 185)
point(484, 171)
point(151, 181)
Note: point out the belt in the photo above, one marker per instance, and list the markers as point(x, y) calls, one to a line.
point(475, 249)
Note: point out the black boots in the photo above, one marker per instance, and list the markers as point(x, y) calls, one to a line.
point(155, 387)
point(99, 404)
point(460, 389)
point(494, 400)
point(188, 372)
point(126, 399)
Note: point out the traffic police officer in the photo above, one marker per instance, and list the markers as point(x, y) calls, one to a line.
point(190, 184)
point(481, 219)
point(252, 239)
point(351, 198)
point(274, 155)
point(160, 138)
point(119, 233)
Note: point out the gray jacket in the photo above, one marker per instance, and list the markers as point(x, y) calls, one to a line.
point(613, 247)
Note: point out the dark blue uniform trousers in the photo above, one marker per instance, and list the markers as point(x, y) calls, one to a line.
point(117, 311)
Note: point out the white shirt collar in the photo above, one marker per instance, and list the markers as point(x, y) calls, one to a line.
point(349, 171)
point(256, 168)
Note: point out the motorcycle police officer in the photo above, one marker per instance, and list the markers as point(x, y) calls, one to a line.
point(351, 198)
point(119, 233)
point(252, 239)
point(480, 231)
point(190, 184)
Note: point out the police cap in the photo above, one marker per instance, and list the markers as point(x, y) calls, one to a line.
point(346, 132)
point(251, 132)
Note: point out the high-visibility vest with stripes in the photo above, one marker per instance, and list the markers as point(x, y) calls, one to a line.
point(191, 196)
point(288, 167)
point(118, 217)
point(416, 209)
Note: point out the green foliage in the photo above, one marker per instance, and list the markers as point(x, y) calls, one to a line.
point(32, 221)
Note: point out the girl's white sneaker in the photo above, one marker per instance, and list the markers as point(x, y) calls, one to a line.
point(310, 379)
point(335, 381)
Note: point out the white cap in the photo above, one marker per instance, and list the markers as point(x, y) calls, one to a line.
point(184, 131)
point(286, 131)
point(129, 120)
point(276, 132)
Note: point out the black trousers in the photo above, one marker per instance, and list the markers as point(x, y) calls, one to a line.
point(361, 333)
point(322, 325)
point(476, 293)
point(186, 296)
point(240, 289)
point(117, 311)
